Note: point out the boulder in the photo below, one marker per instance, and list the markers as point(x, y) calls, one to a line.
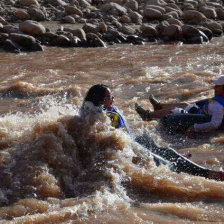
point(49, 35)
point(175, 22)
point(84, 3)
point(125, 19)
point(8, 45)
point(114, 9)
point(36, 14)
point(169, 9)
point(69, 20)
point(159, 8)
point(23, 40)
point(149, 31)
point(94, 41)
point(214, 4)
point(206, 31)
point(152, 14)
point(156, 2)
point(194, 16)
point(135, 17)
point(210, 13)
point(220, 13)
point(193, 35)
point(189, 31)
point(32, 28)
point(117, 35)
point(187, 6)
point(134, 39)
point(102, 27)
point(61, 41)
point(173, 14)
point(37, 47)
point(127, 30)
point(90, 28)
point(22, 14)
point(10, 29)
point(215, 27)
point(70, 10)
point(80, 33)
point(56, 2)
point(172, 32)
point(29, 2)
point(174, 6)
point(132, 4)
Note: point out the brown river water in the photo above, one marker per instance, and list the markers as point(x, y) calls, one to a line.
point(55, 169)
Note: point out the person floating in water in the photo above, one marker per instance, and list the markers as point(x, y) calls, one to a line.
point(201, 116)
point(99, 99)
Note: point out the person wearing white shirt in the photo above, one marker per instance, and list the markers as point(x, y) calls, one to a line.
point(201, 116)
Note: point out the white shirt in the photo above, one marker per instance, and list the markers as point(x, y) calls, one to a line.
point(216, 110)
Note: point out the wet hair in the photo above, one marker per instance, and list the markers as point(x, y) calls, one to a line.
point(96, 94)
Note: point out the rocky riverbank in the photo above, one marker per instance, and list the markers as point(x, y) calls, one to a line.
point(105, 22)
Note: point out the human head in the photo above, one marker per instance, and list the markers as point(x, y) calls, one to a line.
point(100, 94)
point(219, 86)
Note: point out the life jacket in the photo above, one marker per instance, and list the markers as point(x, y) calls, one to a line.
point(203, 107)
point(117, 119)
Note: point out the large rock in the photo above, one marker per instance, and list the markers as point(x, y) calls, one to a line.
point(156, 2)
point(132, 4)
point(210, 13)
point(61, 41)
point(215, 27)
point(70, 10)
point(80, 33)
point(125, 19)
point(114, 9)
point(32, 28)
point(103, 27)
point(152, 14)
point(10, 29)
point(194, 16)
point(57, 2)
point(84, 3)
point(29, 2)
point(22, 14)
point(135, 17)
point(175, 22)
point(189, 31)
point(36, 14)
point(193, 35)
point(90, 28)
point(172, 32)
point(22, 39)
point(127, 30)
point(94, 41)
point(159, 8)
point(10, 46)
point(69, 20)
point(169, 9)
point(220, 13)
point(214, 4)
point(149, 31)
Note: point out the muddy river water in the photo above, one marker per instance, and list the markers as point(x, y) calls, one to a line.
point(55, 169)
